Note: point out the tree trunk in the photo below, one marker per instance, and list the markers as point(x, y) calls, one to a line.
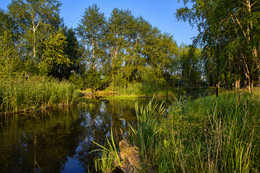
point(217, 86)
point(34, 43)
point(34, 28)
point(113, 78)
point(93, 55)
point(34, 47)
point(248, 81)
point(237, 84)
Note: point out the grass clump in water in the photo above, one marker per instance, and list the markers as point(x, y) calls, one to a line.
point(109, 159)
point(21, 95)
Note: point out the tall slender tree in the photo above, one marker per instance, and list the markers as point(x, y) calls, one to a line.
point(91, 31)
point(32, 18)
point(116, 34)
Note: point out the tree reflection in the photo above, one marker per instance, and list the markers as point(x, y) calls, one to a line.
point(37, 143)
point(45, 142)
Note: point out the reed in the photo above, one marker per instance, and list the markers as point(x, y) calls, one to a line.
point(148, 127)
point(109, 159)
point(205, 135)
point(22, 95)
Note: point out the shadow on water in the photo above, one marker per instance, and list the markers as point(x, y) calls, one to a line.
point(61, 141)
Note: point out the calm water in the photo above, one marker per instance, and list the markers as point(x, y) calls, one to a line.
point(61, 141)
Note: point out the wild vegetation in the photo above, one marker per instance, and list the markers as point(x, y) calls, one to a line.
point(205, 135)
point(117, 53)
point(43, 63)
point(22, 95)
point(125, 51)
point(228, 34)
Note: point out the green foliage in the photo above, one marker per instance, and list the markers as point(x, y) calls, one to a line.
point(35, 21)
point(119, 53)
point(93, 79)
point(8, 55)
point(77, 80)
point(108, 156)
point(190, 67)
point(148, 118)
point(111, 53)
point(36, 41)
point(134, 46)
point(74, 51)
point(20, 94)
point(229, 36)
point(149, 89)
point(205, 135)
point(54, 54)
point(91, 31)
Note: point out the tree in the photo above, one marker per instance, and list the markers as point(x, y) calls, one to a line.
point(116, 42)
point(54, 54)
point(8, 55)
point(35, 21)
point(190, 66)
point(9, 61)
point(74, 52)
point(91, 31)
point(229, 31)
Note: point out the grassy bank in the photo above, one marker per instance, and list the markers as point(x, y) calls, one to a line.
point(21, 95)
point(141, 90)
point(204, 135)
point(136, 90)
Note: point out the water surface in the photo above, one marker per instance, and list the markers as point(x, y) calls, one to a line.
point(61, 141)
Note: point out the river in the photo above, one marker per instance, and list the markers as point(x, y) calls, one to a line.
point(62, 140)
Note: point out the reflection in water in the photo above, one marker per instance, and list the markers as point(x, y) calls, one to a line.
point(61, 141)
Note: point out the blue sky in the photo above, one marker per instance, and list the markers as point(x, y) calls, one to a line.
point(159, 13)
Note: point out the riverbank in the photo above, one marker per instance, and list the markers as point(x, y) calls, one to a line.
point(205, 135)
point(132, 92)
point(36, 93)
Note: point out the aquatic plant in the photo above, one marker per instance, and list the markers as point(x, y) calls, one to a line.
point(204, 135)
point(109, 159)
point(21, 95)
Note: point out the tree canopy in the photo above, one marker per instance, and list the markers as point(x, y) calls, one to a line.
point(229, 35)
point(123, 49)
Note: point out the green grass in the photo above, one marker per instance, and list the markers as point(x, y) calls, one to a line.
point(109, 156)
point(21, 95)
point(118, 97)
point(205, 135)
point(141, 89)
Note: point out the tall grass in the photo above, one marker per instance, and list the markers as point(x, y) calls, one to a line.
point(35, 93)
point(206, 135)
point(109, 159)
point(148, 128)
